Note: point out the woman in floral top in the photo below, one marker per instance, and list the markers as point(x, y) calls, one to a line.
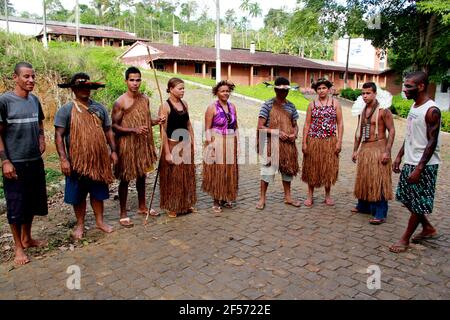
point(322, 142)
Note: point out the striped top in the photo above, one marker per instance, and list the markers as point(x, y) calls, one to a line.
point(21, 117)
point(267, 107)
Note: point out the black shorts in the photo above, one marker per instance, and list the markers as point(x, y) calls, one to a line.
point(26, 196)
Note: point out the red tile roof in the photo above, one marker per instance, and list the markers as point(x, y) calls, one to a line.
point(91, 32)
point(239, 56)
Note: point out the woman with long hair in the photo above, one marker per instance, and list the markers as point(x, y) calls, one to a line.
point(177, 168)
point(322, 142)
point(220, 168)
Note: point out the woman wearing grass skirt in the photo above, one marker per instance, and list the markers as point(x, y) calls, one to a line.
point(322, 142)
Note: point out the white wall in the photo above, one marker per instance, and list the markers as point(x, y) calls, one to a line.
point(28, 29)
point(361, 52)
point(442, 99)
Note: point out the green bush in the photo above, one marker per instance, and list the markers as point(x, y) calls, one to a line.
point(446, 121)
point(400, 106)
point(350, 94)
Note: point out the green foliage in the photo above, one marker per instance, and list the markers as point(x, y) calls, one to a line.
point(445, 121)
point(259, 91)
point(351, 94)
point(400, 106)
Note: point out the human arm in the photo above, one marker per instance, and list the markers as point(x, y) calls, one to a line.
point(7, 167)
point(340, 127)
point(389, 122)
point(61, 149)
point(398, 159)
point(357, 141)
point(112, 144)
point(164, 111)
point(306, 127)
point(433, 122)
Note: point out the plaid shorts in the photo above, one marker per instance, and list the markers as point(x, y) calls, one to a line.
point(419, 197)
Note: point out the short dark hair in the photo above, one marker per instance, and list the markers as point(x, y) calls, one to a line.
point(281, 81)
point(370, 85)
point(320, 82)
point(227, 83)
point(418, 77)
point(131, 70)
point(21, 65)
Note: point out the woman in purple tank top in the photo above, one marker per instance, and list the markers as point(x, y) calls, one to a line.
point(220, 168)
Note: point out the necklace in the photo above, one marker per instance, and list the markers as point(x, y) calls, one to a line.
point(367, 124)
point(326, 104)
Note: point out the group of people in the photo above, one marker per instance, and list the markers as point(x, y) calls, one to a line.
point(94, 149)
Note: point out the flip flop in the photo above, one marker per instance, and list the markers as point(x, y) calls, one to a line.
point(376, 221)
point(294, 203)
point(172, 214)
point(329, 202)
point(422, 237)
point(217, 209)
point(308, 203)
point(126, 222)
point(260, 207)
point(398, 248)
point(153, 213)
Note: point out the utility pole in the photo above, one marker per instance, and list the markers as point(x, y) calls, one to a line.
point(77, 20)
point(44, 39)
point(218, 65)
point(6, 15)
point(346, 64)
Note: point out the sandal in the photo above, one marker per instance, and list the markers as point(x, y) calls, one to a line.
point(172, 214)
point(376, 221)
point(421, 237)
point(398, 248)
point(153, 213)
point(226, 204)
point(293, 203)
point(260, 207)
point(308, 203)
point(329, 202)
point(217, 209)
point(126, 222)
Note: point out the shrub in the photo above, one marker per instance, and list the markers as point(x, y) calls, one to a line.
point(400, 106)
point(350, 94)
point(445, 121)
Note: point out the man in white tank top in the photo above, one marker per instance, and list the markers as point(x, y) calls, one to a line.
point(417, 183)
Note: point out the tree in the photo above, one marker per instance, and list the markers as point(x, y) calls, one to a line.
point(11, 10)
point(416, 33)
point(188, 9)
point(56, 11)
point(230, 19)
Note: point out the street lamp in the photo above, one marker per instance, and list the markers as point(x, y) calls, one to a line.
point(6, 16)
point(44, 39)
point(346, 64)
point(218, 64)
point(77, 18)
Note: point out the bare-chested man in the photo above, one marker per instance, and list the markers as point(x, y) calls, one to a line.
point(372, 151)
point(132, 124)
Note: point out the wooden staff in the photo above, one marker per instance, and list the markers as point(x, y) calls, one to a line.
point(160, 153)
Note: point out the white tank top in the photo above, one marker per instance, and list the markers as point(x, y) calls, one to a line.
point(416, 135)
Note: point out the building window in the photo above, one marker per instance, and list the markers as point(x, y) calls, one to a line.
point(276, 72)
point(111, 43)
point(159, 66)
point(341, 75)
point(351, 76)
point(312, 76)
point(255, 71)
point(198, 68)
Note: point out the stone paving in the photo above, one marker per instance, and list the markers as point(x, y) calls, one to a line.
point(279, 253)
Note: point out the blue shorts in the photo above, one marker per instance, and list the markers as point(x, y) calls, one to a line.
point(78, 187)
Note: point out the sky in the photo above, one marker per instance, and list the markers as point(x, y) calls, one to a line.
point(35, 6)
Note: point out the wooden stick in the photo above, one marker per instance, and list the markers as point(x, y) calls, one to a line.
point(160, 128)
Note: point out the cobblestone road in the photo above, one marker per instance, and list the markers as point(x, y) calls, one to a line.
point(279, 253)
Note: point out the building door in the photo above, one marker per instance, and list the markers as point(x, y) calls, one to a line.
point(213, 73)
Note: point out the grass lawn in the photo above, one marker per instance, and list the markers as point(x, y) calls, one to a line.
point(259, 91)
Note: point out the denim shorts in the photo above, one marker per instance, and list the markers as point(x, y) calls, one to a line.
point(78, 187)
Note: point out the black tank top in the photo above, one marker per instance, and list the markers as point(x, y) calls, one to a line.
point(176, 119)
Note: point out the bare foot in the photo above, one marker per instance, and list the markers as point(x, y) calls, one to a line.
point(329, 202)
point(34, 243)
point(78, 232)
point(105, 228)
point(261, 204)
point(399, 247)
point(291, 202)
point(355, 210)
point(21, 258)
